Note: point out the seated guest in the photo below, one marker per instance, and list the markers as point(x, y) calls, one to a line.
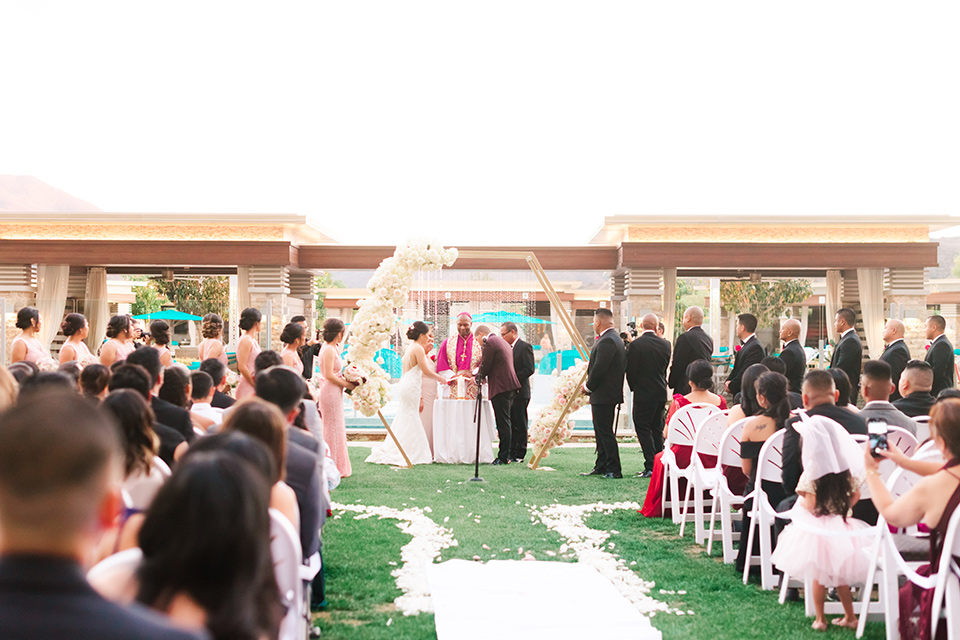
point(700, 377)
point(775, 409)
point(52, 511)
point(265, 360)
point(176, 387)
point(206, 550)
point(8, 389)
point(778, 365)
point(202, 391)
point(70, 368)
point(160, 332)
point(217, 370)
point(844, 391)
point(931, 501)
point(23, 370)
point(948, 393)
point(131, 376)
point(167, 413)
point(748, 404)
point(93, 381)
point(876, 386)
point(46, 380)
point(261, 420)
point(915, 385)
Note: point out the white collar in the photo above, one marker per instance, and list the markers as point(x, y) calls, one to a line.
point(788, 342)
point(890, 344)
point(942, 335)
point(646, 331)
point(846, 332)
point(604, 331)
point(748, 338)
point(200, 405)
point(876, 402)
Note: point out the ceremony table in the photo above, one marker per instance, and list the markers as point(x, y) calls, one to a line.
point(455, 432)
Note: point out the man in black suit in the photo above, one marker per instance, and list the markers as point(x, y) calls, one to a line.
point(750, 352)
point(848, 354)
point(53, 511)
point(915, 385)
point(605, 388)
point(167, 413)
point(496, 366)
point(792, 354)
point(939, 355)
point(692, 344)
point(647, 359)
point(896, 353)
point(218, 371)
point(523, 366)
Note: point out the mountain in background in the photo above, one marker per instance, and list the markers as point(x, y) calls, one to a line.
point(26, 193)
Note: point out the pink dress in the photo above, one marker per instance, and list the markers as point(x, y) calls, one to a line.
point(35, 351)
point(123, 348)
point(245, 389)
point(334, 424)
point(80, 350)
point(205, 347)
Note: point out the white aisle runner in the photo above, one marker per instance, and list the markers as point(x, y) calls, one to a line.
point(509, 599)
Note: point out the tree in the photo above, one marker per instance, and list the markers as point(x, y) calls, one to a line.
point(766, 300)
point(198, 296)
point(146, 300)
point(325, 281)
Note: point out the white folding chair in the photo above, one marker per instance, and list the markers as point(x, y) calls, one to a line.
point(705, 442)
point(291, 574)
point(143, 487)
point(903, 440)
point(923, 428)
point(680, 430)
point(946, 593)
point(115, 577)
point(725, 500)
point(763, 514)
point(888, 559)
point(161, 467)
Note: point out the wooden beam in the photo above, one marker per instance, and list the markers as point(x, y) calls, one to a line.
point(111, 253)
point(587, 258)
point(788, 255)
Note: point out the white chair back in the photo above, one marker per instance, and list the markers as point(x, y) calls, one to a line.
point(143, 487)
point(707, 438)
point(923, 428)
point(287, 558)
point(948, 574)
point(162, 467)
point(115, 577)
point(729, 446)
point(684, 422)
point(770, 462)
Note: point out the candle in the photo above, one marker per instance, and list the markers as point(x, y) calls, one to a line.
point(461, 388)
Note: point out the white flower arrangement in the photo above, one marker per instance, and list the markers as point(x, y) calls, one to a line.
point(564, 391)
point(233, 379)
point(47, 363)
point(376, 321)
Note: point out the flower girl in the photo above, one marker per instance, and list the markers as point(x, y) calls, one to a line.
point(814, 546)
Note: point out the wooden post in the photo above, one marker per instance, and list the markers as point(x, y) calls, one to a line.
point(563, 416)
point(395, 441)
point(568, 323)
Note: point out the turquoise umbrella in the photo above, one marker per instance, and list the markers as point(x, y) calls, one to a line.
point(508, 316)
point(167, 314)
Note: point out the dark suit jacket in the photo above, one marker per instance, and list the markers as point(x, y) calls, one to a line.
point(47, 597)
point(752, 352)
point(170, 439)
point(174, 417)
point(221, 400)
point(523, 366)
point(916, 404)
point(694, 344)
point(795, 358)
point(608, 360)
point(303, 476)
point(940, 357)
point(647, 360)
point(792, 464)
point(496, 365)
point(896, 355)
point(848, 356)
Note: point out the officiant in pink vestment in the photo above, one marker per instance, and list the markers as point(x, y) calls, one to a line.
point(460, 354)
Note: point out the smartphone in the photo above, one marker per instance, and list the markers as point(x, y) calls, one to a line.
point(877, 433)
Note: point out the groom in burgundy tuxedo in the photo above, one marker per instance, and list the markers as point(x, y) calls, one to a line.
point(496, 365)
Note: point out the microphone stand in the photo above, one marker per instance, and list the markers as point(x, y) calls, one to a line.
point(478, 415)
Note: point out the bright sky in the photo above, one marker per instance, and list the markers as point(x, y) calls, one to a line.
point(497, 122)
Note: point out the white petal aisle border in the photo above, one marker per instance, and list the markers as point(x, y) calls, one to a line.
point(588, 544)
point(429, 539)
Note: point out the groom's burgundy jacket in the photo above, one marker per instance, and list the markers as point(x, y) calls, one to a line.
point(496, 365)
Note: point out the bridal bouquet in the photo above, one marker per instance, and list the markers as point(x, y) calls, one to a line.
point(376, 321)
point(353, 373)
point(48, 364)
point(565, 391)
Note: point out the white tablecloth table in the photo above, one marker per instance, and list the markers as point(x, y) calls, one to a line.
point(455, 432)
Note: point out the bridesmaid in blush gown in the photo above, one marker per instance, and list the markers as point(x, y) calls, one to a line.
point(332, 384)
point(121, 332)
point(248, 348)
point(212, 347)
point(75, 328)
point(26, 346)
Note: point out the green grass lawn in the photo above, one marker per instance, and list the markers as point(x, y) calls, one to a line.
point(358, 553)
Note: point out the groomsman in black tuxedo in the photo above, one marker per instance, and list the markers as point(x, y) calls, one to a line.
point(939, 355)
point(692, 344)
point(647, 359)
point(792, 354)
point(848, 354)
point(750, 352)
point(896, 353)
point(523, 366)
point(605, 387)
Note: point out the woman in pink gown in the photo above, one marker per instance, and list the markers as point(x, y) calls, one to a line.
point(248, 348)
point(332, 384)
point(212, 345)
point(26, 346)
point(120, 331)
point(75, 327)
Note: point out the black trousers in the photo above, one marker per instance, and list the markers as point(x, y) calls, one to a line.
point(608, 455)
point(648, 422)
point(518, 428)
point(502, 403)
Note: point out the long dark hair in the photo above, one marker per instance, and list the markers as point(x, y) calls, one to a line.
point(135, 418)
point(700, 374)
point(207, 535)
point(834, 492)
point(176, 383)
point(748, 389)
point(773, 386)
point(843, 385)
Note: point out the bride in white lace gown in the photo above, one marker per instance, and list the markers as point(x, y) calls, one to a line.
point(407, 426)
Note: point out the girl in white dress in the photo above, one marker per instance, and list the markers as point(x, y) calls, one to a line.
point(407, 426)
